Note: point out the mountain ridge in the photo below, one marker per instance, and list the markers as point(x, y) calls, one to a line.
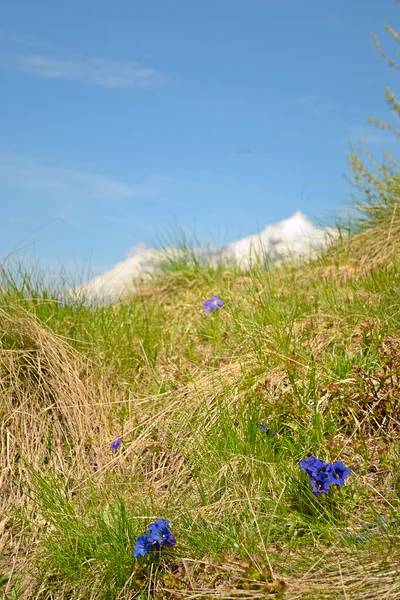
point(295, 237)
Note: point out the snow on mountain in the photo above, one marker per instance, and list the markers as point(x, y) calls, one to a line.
point(118, 280)
point(295, 237)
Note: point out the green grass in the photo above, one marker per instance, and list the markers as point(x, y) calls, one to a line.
point(310, 352)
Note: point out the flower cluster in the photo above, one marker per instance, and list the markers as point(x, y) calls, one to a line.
point(322, 475)
point(212, 304)
point(157, 536)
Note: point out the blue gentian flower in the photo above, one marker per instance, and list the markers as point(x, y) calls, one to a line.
point(160, 533)
point(157, 536)
point(143, 545)
point(322, 475)
point(338, 472)
point(212, 304)
point(312, 465)
point(116, 444)
point(316, 470)
point(320, 483)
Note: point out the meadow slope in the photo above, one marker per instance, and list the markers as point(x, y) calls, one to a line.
point(312, 352)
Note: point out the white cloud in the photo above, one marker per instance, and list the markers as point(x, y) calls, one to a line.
point(97, 71)
point(33, 173)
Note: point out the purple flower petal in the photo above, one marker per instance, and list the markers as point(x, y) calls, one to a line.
point(142, 545)
point(217, 301)
point(116, 444)
point(209, 307)
point(158, 530)
point(311, 465)
point(322, 475)
point(338, 472)
point(157, 536)
point(169, 540)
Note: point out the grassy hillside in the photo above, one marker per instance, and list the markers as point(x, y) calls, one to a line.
point(311, 352)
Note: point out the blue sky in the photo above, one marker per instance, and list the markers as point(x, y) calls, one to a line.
point(117, 118)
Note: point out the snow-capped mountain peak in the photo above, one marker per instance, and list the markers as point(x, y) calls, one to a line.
point(294, 237)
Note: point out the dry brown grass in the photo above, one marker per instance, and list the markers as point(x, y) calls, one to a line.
point(358, 254)
point(50, 418)
point(334, 574)
point(339, 574)
point(50, 405)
